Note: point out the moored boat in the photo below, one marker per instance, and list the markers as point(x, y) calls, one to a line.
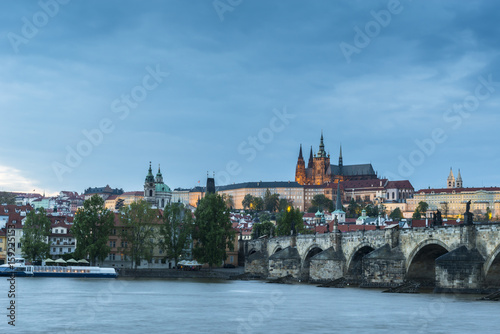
point(20, 269)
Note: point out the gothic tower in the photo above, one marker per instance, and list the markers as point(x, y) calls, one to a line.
point(459, 183)
point(321, 164)
point(300, 171)
point(310, 163)
point(451, 179)
point(150, 187)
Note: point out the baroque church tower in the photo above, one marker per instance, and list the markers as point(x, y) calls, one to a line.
point(156, 192)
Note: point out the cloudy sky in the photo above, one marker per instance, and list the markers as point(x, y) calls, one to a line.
point(91, 91)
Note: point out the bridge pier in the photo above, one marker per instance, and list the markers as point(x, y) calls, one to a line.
point(460, 271)
point(384, 267)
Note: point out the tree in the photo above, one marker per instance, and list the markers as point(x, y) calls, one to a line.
point(322, 202)
point(247, 201)
point(422, 208)
point(261, 229)
point(291, 217)
point(416, 214)
point(257, 204)
point(353, 209)
point(92, 227)
point(36, 230)
point(396, 214)
point(7, 198)
point(138, 231)
point(212, 230)
point(271, 201)
point(176, 230)
point(445, 209)
point(284, 204)
point(487, 216)
point(228, 199)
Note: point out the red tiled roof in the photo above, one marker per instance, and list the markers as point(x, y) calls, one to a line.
point(405, 184)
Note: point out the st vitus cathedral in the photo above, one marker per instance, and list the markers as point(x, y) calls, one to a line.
point(319, 171)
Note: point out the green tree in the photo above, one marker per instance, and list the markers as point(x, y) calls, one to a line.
point(422, 208)
point(261, 229)
point(247, 201)
point(176, 230)
point(353, 209)
point(36, 230)
point(92, 227)
point(139, 228)
point(396, 214)
point(445, 208)
point(212, 231)
point(322, 202)
point(257, 204)
point(284, 204)
point(416, 214)
point(487, 216)
point(290, 217)
point(7, 198)
point(271, 201)
point(228, 199)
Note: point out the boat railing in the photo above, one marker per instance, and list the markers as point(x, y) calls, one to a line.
point(52, 269)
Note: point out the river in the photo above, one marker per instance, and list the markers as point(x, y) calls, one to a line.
point(66, 305)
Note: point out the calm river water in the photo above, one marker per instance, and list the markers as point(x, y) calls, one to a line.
point(64, 305)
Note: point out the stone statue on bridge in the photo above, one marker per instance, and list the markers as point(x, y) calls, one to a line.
point(437, 219)
point(468, 216)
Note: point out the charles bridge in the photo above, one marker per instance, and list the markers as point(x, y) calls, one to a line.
point(462, 258)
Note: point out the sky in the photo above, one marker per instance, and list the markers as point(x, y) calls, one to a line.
point(92, 91)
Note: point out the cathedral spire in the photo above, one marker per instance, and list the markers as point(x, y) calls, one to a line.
point(300, 153)
point(341, 163)
point(321, 152)
point(311, 160)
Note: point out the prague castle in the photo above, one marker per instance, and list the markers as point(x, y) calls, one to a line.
point(319, 171)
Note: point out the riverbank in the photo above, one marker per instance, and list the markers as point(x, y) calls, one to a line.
point(218, 273)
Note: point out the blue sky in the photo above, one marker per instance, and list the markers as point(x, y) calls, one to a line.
point(91, 91)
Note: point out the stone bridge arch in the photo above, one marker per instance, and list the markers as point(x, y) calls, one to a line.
point(353, 266)
point(492, 269)
point(276, 249)
point(420, 263)
point(306, 260)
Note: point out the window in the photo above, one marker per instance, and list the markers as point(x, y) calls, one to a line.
point(54, 250)
point(60, 249)
point(18, 245)
point(69, 250)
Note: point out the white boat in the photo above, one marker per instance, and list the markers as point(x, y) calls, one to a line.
point(20, 269)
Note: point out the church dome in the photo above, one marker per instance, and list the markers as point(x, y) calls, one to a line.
point(162, 187)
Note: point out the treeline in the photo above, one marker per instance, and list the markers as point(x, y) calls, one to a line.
point(142, 230)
